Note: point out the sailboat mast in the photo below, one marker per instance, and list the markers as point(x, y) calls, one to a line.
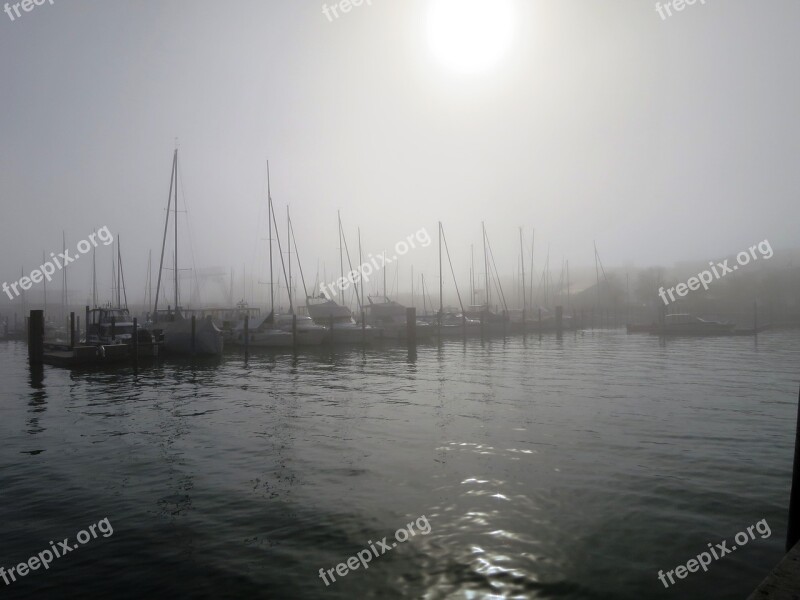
point(164, 240)
point(441, 277)
point(485, 264)
point(175, 207)
point(341, 257)
point(522, 258)
point(289, 252)
point(269, 218)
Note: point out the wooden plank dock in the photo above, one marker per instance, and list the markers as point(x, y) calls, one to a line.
point(783, 583)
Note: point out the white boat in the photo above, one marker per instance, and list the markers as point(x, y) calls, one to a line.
point(177, 332)
point(308, 332)
point(345, 330)
point(261, 334)
point(389, 318)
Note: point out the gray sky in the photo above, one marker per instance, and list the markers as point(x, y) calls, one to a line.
point(663, 140)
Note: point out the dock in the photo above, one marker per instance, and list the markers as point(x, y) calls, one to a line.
point(783, 583)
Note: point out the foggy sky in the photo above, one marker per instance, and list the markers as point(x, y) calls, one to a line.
point(663, 140)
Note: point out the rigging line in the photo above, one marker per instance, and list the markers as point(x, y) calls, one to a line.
point(455, 283)
point(191, 236)
point(350, 264)
point(166, 229)
point(494, 264)
point(283, 265)
point(299, 264)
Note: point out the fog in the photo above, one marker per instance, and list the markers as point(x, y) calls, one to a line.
point(663, 141)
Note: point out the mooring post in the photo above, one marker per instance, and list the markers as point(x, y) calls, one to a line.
point(194, 334)
point(72, 331)
point(411, 327)
point(113, 328)
point(78, 329)
point(135, 343)
point(36, 337)
point(793, 530)
point(246, 335)
point(755, 317)
point(294, 332)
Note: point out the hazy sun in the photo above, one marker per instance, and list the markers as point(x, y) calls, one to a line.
point(470, 35)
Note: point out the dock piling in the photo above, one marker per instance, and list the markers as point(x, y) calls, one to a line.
point(411, 327)
point(36, 337)
point(72, 331)
point(135, 343)
point(793, 529)
point(194, 334)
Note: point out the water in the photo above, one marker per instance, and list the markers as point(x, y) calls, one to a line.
point(564, 469)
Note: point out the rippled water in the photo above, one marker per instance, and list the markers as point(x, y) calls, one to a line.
point(568, 469)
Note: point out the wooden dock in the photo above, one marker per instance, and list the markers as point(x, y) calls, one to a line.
point(783, 583)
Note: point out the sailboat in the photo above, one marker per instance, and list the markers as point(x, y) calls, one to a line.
point(342, 328)
point(172, 324)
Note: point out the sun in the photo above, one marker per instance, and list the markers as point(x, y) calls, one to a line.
point(469, 36)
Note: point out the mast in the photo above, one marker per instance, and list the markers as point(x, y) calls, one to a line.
point(384, 274)
point(94, 277)
point(341, 257)
point(441, 278)
point(269, 218)
point(522, 257)
point(485, 265)
point(175, 207)
point(164, 240)
point(472, 274)
point(64, 280)
point(45, 290)
point(360, 262)
point(289, 253)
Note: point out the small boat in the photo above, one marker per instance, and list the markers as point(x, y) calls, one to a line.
point(389, 317)
point(684, 324)
point(342, 329)
point(308, 332)
point(114, 326)
point(176, 330)
point(262, 333)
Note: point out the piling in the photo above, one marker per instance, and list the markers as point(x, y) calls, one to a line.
point(113, 328)
point(71, 330)
point(194, 334)
point(411, 327)
point(246, 335)
point(135, 343)
point(793, 530)
point(36, 337)
point(755, 317)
